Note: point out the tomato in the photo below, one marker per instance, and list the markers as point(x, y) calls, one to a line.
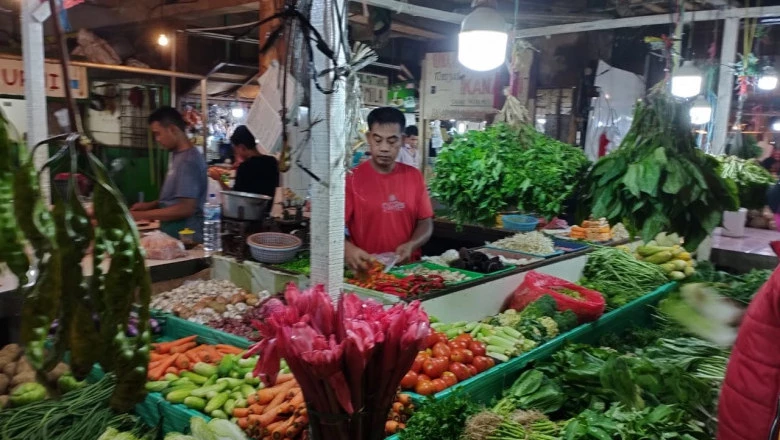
point(464, 338)
point(477, 348)
point(449, 378)
point(460, 371)
point(441, 350)
point(468, 356)
point(422, 377)
point(431, 339)
point(455, 344)
point(418, 361)
point(457, 355)
point(409, 380)
point(425, 388)
point(442, 337)
point(483, 363)
point(439, 384)
point(472, 369)
point(434, 367)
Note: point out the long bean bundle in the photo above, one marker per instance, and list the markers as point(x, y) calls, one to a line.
point(620, 277)
point(78, 415)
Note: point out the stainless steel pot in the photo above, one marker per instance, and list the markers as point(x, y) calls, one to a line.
point(245, 206)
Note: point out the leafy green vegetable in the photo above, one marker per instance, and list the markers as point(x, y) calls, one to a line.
point(658, 180)
point(442, 419)
point(485, 172)
point(620, 277)
point(751, 179)
point(741, 288)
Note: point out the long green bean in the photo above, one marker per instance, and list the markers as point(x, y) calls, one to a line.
point(620, 277)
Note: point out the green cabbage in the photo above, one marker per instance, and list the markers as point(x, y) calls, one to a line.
point(225, 430)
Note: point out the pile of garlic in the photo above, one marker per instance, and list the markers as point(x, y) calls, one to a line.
point(205, 301)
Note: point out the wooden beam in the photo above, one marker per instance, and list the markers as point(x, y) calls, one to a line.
point(649, 20)
point(400, 28)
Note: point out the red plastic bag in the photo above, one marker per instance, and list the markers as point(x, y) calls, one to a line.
point(587, 308)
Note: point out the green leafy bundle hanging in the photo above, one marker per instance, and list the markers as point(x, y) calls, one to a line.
point(485, 172)
point(658, 180)
point(751, 178)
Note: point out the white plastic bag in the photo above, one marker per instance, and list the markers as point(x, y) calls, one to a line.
point(161, 246)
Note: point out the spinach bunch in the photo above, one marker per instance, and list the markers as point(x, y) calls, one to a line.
point(665, 422)
point(442, 419)
point(751, 179)
point(485, 172)
point(658, 180)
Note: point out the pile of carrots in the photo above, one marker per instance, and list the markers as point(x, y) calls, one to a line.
point(182, 354)
point(275, 413)
point(399, 413)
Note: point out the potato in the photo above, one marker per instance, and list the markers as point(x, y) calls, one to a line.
point(3, 401)
point(14, 350)
point(23, 366)
point(21, 378)
point(10, 369)
point(4, 381)
point(56, 372)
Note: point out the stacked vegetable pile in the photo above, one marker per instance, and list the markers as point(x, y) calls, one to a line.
point(620, 277)
point(335, 350)
point(474, 261)
point(666, 252)
point(535, 243)
point(658, 180)
point(485, 172)
point(215, 429)
point(205, 301)
point(413, 285)
point(741, 288)
point(752, 180)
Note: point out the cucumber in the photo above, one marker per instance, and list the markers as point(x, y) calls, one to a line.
point(171, 377)
point(196, 378)
point(659, 258)
point(677, 276)
point(195, 403)
point(218, 414)
point(247, 390)
point(230, 405)
point(157, 386)
point(217, 402)
point(178, 396)
point(182, 381)
point(205, 369)
point(203, 391)
point(231, 382)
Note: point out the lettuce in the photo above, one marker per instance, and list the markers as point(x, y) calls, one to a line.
point(225, 430)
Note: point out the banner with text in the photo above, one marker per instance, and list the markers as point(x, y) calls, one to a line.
point(12, 79)
point(455, 92)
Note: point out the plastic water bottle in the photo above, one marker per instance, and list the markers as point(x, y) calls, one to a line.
point(212, 220)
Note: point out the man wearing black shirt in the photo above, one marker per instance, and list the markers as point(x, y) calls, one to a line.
point(257, 173)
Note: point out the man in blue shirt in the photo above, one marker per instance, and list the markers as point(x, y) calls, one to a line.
point(184, 191)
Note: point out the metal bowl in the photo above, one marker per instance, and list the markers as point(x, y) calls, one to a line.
point(245, 206)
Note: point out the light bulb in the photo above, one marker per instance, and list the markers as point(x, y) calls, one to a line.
point(776, 125)
point(237, 112)
point(701, 111)
point(482, 40)
point(162, 40)
point(768, 78)
point(686, 82)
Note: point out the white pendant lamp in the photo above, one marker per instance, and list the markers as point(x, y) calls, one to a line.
point(162, 40)
point(686, 81)
point(768, 79)
point(483, 37)
point(701, 111)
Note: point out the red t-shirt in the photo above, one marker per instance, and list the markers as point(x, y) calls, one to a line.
point(382, 210)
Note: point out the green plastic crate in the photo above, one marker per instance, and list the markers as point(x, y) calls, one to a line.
point(489, 384)
point(471, 276)
point(174, 328)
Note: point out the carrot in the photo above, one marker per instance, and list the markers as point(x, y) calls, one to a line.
point(298, 425)
point(152, 365)
point(156, 356)
point(391, 427)
point(228, 349)
point(159, 370)
point(301, 411)
point(251, 399)
point(278, 432)
point(192, 355)
point(268, 416)
point(267, 395)
point(172, 370)
point(256, 409)
point(184, 347)
point(398, 407)
point(182, 362)
point(282, 378)
point(165, 347)
point(242, 422)
point(255, 419)
point(210, 354)
point(241, 413)
point(405, 399)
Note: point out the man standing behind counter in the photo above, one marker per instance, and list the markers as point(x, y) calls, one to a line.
point(387, 203)
point(184, 191)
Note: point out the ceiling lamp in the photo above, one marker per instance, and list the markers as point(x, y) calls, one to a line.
point(483, 37)
point(701, 111)
point(775, 124)
point(162, 40)
point(237, 112)
point(686, 81)
point(768, 78)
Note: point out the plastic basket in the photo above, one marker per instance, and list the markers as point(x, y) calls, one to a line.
point(470, 276)
point(569, 246)
point(490, 384)
point(530, 259)
point(519, 223)
point(273, 247)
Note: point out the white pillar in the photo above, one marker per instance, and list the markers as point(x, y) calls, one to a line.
point(328, 147)
point(728, 57)
point(34, 13)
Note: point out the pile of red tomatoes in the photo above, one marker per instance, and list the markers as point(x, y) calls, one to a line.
point(445, 362)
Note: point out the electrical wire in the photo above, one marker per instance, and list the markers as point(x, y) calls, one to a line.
point(224, 28)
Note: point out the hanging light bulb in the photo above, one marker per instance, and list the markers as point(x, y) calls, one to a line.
point(237, 112)
point(686, 81)
point(162, 40)
point(776, 124)
point(768, 78)
point(483, 37)
point(701, 111)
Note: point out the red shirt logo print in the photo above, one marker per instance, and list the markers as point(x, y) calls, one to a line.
point(393, 205)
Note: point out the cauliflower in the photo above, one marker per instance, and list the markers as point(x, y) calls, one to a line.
point(549, 325)
point(509, 318)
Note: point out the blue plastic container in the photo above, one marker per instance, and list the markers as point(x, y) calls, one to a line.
point(519, 223)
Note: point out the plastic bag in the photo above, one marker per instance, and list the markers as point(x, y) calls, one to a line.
point(588, 307)
point(161, 246)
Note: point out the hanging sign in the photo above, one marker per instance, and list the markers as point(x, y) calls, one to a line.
point(454, 92)
point(374, 88)
point(12, 79)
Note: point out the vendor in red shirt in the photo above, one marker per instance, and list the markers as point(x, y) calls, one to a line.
point(387, 203)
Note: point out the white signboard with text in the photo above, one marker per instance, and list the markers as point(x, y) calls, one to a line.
point(374, 88)
point(455, 92)
point(12, 79)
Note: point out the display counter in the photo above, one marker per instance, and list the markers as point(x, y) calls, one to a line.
point(752, 251)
